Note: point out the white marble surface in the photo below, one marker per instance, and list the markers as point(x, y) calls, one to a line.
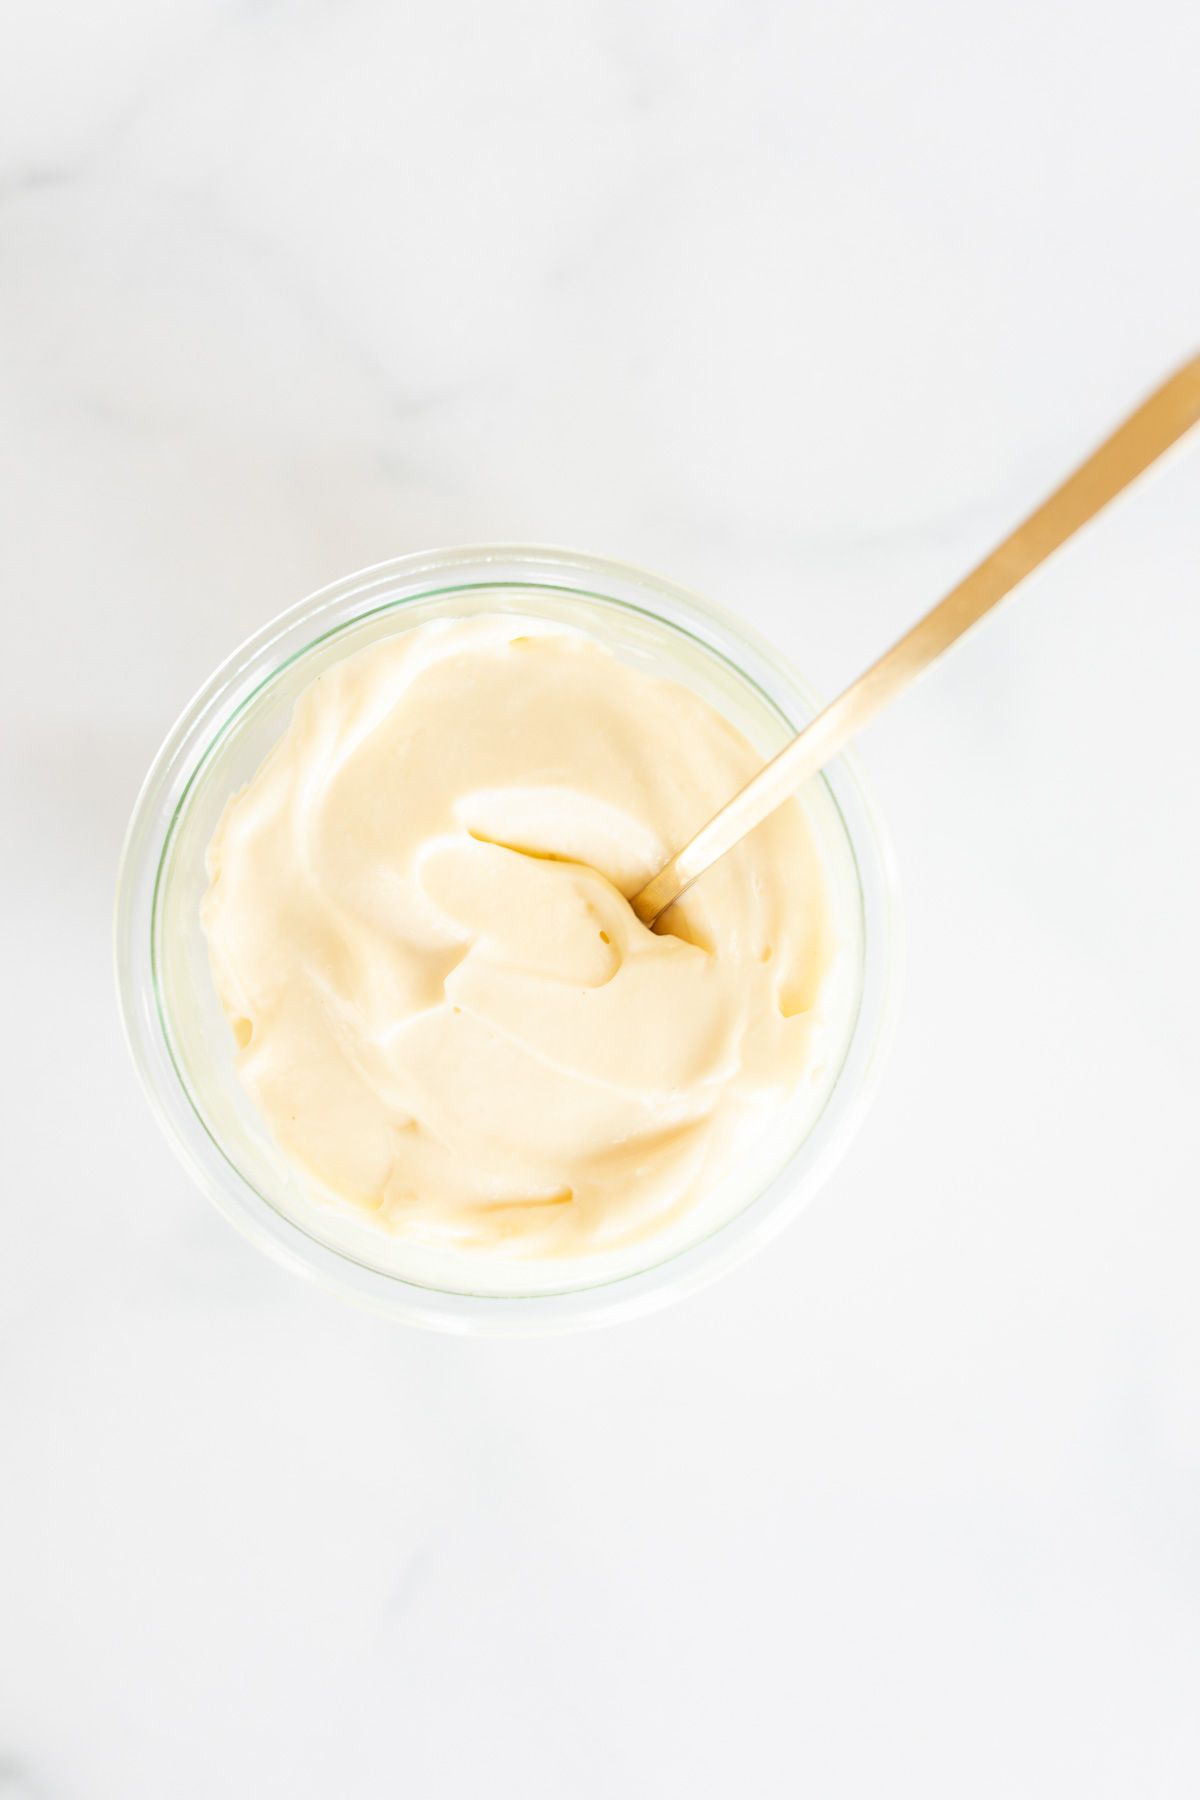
point(801, 304)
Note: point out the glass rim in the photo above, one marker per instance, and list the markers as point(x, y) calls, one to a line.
point(195, 741)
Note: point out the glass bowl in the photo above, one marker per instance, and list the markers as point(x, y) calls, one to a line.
point(180, 1039)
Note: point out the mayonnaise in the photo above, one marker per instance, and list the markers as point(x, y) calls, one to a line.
point(442, 1004)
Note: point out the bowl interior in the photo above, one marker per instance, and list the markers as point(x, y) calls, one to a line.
point(232, 1151)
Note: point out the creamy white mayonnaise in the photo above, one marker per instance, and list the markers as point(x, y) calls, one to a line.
point(443, 1006)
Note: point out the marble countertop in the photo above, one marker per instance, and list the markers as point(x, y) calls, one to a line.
point(803, 306)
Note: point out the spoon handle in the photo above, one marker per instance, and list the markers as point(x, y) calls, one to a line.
point(1162, 420)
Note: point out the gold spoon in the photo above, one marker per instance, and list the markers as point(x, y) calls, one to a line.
point(1167, 416)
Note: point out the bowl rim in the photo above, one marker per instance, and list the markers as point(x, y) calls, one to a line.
point(196, 736)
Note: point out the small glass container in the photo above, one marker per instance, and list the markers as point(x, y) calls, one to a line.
point(180, 1038)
